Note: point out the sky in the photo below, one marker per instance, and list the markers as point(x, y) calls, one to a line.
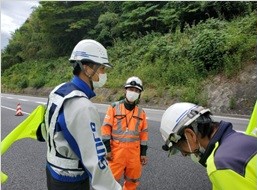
point(13, 14)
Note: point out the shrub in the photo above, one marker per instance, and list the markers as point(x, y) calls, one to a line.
point(232, 103)
point(207, 50)
point(23, 83)
point(38, 82)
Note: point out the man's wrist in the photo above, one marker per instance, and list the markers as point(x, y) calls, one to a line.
point(107, 144)
point(143, 149)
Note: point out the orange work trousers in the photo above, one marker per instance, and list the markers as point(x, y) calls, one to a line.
point(126, 160)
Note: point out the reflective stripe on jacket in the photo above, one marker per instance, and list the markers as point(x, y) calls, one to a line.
point(57, 161)
point(123, 125)
point(127, 132)
point(75, 148)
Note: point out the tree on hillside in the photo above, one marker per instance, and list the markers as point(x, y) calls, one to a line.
point(65, 23)
point(24, 43)
point(55, 27)
point(140, 18)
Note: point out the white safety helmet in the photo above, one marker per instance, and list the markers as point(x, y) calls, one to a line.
point(134, 82)
point(90, 50)
point(175, 119)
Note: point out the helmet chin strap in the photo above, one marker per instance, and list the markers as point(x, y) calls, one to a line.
point(80, 65)
point(94, 72)
point(89, 76)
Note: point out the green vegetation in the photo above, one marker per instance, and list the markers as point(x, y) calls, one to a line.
point(232, 103)
point(173, 46)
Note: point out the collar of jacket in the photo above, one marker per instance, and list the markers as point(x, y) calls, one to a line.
point(83, 87)
point(129, 106)
point(224, 130)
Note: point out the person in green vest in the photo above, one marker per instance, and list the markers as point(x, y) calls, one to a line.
point(230, 157)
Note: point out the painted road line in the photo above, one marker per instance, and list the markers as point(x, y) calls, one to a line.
point(14, 110)
point(24, 100)
point(41, 103)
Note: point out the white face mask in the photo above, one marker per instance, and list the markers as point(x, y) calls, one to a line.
point(132, 96)
point(102, 80)
point(195, 156)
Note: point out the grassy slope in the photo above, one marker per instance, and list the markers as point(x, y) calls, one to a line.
point(172, 66)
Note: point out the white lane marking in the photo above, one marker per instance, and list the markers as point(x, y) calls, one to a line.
point(215, 116)
point(24, 100)
point(41, 103)
point(156, 110)
point(146, 109)
point(243, 119)
point(14, 109)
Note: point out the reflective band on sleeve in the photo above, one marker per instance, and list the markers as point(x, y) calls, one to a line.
point(143, 142)
point(145, 130)
point(107, 124)
point(106, 137)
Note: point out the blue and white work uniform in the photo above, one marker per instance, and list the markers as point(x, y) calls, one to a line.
point(75, 151)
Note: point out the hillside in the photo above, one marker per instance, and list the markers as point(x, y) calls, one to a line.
point(200, 52)
point(225, 96)
point(235, 96)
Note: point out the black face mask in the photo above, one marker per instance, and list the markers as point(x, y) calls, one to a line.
point(129, 106)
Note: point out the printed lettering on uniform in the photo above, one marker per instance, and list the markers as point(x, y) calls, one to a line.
point(100, 148)
point(107, 117)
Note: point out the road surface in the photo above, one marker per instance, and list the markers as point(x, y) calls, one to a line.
point(24, 162)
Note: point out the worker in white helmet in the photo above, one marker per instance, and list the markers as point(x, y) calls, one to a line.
point(230, 156)
point(125, 135)
point(75, 151)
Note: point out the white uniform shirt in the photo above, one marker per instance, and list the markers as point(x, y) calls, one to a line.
point(77, 137)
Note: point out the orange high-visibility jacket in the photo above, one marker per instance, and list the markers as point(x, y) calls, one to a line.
point(126, 126)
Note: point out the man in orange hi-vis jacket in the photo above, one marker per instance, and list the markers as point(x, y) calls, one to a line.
point(125, 135)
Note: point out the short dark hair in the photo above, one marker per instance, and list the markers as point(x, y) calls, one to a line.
point(77, 69)
point(205, 126)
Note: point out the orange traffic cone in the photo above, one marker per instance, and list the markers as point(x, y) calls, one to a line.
point(18, 110)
